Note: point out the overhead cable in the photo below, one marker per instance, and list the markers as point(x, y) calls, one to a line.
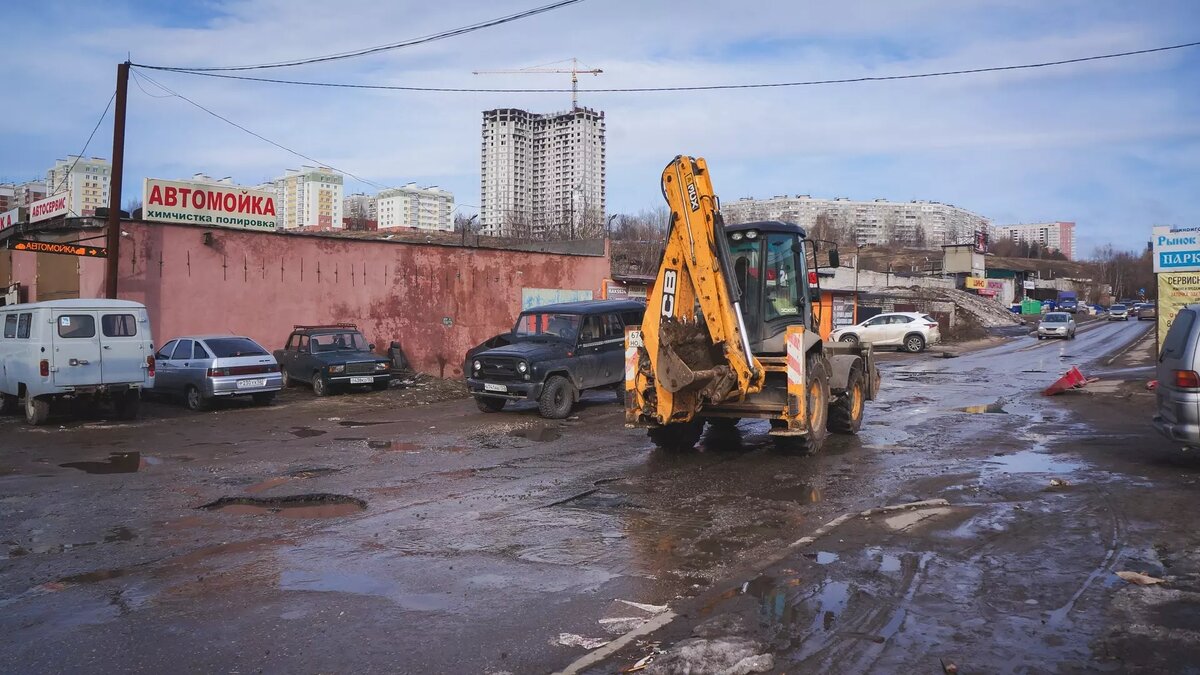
point(703, 87)
point(259, 136)
point(453, 32)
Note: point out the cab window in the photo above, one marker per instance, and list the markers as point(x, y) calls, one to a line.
point(782, 279)
point(76, 326)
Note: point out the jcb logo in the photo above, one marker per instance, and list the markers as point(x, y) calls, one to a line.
point(670, 278)
point(693, 197)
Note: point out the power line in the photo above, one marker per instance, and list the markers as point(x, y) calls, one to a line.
point(84, 150)
point(258, 135)
point(453, 32)
point(707, 87)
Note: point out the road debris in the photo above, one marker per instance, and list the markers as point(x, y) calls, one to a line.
point(625, 615)
point(1059, 482)
point(1140, 579)
point(727, 656)
point(1073, 379)
point(573, 640)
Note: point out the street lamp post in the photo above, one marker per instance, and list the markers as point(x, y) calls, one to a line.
point(608, 226)
point(857, 255)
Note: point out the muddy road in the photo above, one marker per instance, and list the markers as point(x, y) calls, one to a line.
point(354, 534)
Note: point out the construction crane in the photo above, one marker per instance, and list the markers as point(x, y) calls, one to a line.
point(574, 70)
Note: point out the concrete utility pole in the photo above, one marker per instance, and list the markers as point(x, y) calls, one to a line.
point(113, 231)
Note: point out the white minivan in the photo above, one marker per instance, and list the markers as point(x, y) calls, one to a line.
point(83, 348)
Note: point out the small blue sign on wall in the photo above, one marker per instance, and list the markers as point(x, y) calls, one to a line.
point(536, 297)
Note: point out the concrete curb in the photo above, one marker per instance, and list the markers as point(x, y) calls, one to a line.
point(1129, 347)
point(599, 655)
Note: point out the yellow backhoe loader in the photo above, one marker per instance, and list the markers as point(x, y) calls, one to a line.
point(731, 330)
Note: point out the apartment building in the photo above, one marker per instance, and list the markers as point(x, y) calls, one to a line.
point(1058, 235)
point(84, 179)
point(360, 211)
point(309, 197)
point(16, 195)
point(424, 208)
point(876, 222)
point(542, 174)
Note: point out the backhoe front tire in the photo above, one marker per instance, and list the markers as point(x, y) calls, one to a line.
point(816, 398)
point(558, 396)
point(677, 437)
point(846, 413)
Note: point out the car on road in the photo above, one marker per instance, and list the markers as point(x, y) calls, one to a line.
point(1071, 306)
point(86, 350)
point(1118, 313)
point(910, 331)
point(1177, 413)
point(332, 357)
point(1145, 310)
point(553, 353)
point(202, 368)
point(1056, 324)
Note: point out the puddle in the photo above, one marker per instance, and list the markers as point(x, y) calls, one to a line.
point(888, 562)
point(306, 432)
point(344, 581)
point(996, 408)
point(539, 434)
point(1030, 461)
point(781, 604)
point(394, 446)
point(822, 557)
point(351, 424)
point(294, 506)
point(118, 462)
point(801, 494)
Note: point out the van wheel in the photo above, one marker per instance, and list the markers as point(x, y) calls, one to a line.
point(127, 405)
point(914, 343)
point(194, 399)
point(9, 404)
point(557, 398)
point(37, 410)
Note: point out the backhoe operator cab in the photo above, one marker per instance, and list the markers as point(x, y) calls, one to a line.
point(731, 330)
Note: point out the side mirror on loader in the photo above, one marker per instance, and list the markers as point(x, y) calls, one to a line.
point(835, 259)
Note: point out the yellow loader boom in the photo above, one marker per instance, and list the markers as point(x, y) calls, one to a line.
point(693, 323)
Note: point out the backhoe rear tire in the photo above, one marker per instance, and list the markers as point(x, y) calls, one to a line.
point(816, 398)
point(677, 437)
point(846, 413)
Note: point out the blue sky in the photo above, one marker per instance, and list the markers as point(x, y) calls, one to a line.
point(1113, 145)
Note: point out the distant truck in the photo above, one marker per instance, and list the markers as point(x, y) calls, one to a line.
point(1068, 301)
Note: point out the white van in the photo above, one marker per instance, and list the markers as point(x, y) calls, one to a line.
point(97, 349)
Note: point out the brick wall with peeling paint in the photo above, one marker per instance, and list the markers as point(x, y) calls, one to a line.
point(436, 301)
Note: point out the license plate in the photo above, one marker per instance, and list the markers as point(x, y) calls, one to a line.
point(635, 339)
point(251, 384)
point(488, 386)
point(361, 380)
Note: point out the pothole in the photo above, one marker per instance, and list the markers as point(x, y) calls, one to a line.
point(306, 432)
point(990, 408)
point(539, 434)
point(320, 505)
point(118, 462)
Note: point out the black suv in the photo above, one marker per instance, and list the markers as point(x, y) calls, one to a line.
point(553, 353)
point(331, 356)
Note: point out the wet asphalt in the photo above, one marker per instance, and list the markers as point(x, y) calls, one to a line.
point(347, 535)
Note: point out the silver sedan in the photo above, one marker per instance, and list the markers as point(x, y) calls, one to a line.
point(201, 368)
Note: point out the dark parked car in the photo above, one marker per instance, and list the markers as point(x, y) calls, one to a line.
point(1069, 306)
point(201, 368)
point(331, 357)
point(552, 354)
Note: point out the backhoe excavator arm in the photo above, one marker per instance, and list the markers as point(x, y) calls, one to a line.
point(696, 350)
